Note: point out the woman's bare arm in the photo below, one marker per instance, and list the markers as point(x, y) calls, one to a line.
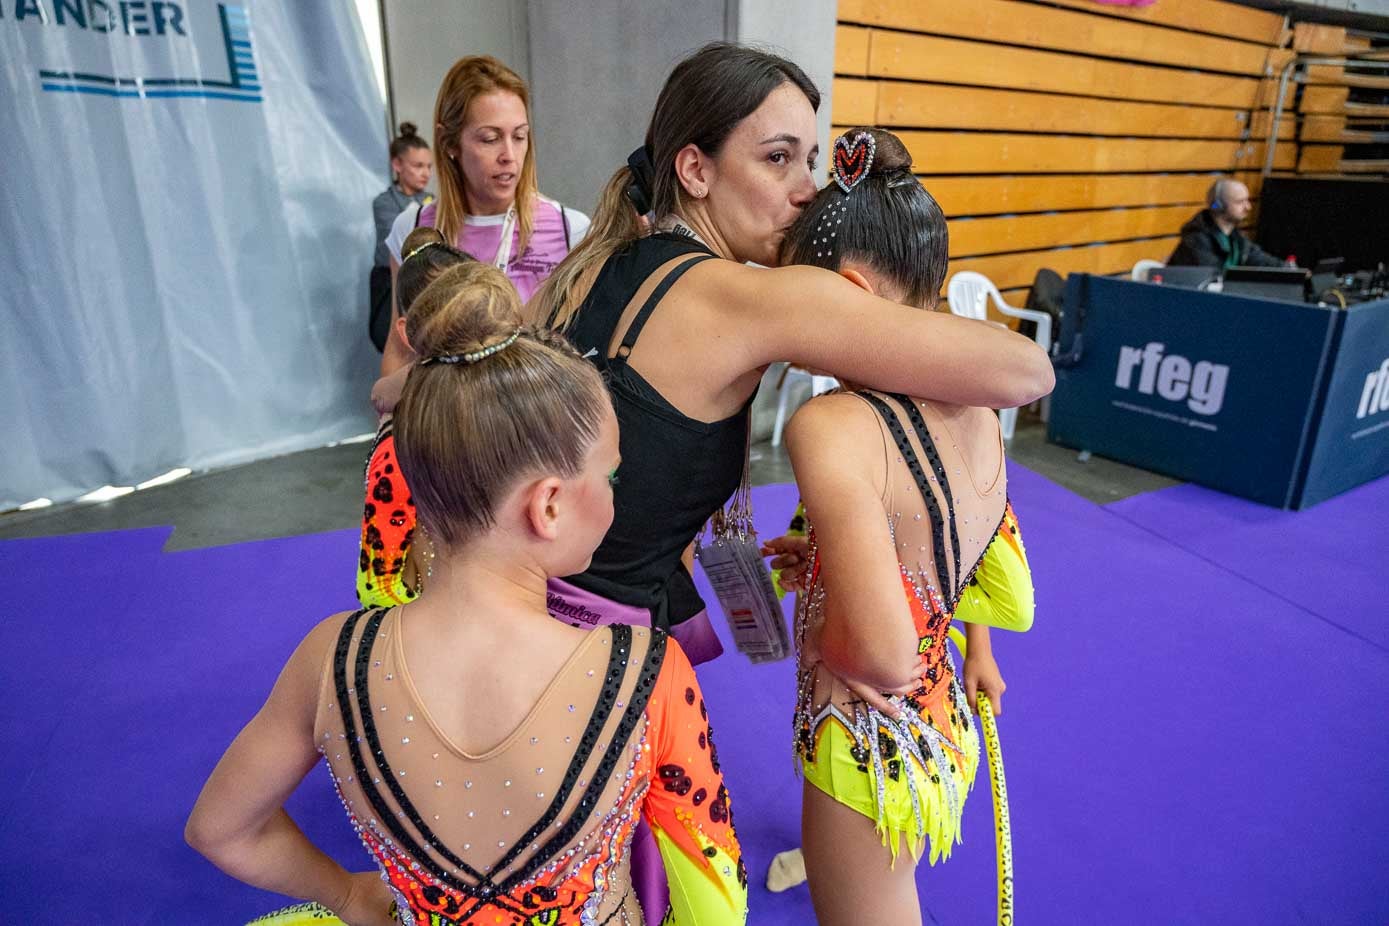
point(816, 318)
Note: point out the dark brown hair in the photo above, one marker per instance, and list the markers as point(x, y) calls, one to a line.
point(408, 138)
point(466, 432)
point(888, 222)
point(705, 98)
point(423, 256)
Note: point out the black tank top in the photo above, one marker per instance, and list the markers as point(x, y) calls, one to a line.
point(675, 471)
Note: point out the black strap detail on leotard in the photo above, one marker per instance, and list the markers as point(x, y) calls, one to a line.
point(485, 889)
point(909, 457)
point(368, 729)
point(612, 684)
point(636, 709)
point(382, 432)
point(937, 467)
point(629, 340)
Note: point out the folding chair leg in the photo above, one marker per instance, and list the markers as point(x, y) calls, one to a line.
point(780, 416)
point(1007, 418)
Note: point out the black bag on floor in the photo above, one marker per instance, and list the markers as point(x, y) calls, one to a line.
point(379, 322)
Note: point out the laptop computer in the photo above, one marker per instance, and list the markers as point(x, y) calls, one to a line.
point(1185, 277)
point(1288, 284)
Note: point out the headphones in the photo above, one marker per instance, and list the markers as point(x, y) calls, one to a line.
point(1217, 204)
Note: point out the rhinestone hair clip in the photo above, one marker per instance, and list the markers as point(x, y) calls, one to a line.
point(853, 160)
point(474, 356)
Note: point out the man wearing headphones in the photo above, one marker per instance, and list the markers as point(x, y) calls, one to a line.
point(1212, 237)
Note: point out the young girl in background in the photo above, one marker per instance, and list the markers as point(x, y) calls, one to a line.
point(387, 572)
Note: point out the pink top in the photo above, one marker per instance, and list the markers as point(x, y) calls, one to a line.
point(554, 229)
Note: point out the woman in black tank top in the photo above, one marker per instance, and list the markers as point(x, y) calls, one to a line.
point(685, 330)
point(682, 467)
point(684, 338)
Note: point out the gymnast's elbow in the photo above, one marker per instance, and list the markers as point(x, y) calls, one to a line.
point(209, 840)
point(199, 836)
point(1031, 378)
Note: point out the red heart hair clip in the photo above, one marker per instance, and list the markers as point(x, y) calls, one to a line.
point(853, 159)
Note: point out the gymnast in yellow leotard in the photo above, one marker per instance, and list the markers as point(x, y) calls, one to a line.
point(910, 527)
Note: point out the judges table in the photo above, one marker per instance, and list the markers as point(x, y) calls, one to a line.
point(1283, 403)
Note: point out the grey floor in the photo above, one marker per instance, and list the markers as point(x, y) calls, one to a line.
point(321, 490)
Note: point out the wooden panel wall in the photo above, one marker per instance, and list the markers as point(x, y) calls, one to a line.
point(1342, 114)
point(1065, 133)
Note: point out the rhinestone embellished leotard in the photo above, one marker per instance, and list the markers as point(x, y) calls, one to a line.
point(537, 830)
point(960, 555)
point(388, 527)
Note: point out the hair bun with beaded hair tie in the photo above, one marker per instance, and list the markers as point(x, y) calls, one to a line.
point(475, 355)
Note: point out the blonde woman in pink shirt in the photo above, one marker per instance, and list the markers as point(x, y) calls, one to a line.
point(489, 205)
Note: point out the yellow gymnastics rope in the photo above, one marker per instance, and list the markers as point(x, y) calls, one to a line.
point(1003, 830)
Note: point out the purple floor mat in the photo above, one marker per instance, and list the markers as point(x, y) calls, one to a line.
point(1169, 760)
point(1324, 560)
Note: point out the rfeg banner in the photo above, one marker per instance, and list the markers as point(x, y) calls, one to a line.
point(1219, 390)
point(1352, 444)
point(187, 232)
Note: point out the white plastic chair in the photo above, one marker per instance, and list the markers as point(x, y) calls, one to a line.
point(789, 376)
point(969, 294)
point(1144, 267)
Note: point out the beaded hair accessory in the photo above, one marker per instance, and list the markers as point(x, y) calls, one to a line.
point(476, 355)
point(424, 247)
point(853, 160)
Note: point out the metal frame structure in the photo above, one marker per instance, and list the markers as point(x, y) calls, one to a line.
point(1371, 60)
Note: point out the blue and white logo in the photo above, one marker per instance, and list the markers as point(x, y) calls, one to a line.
point(153, 18)
point(1375, 397)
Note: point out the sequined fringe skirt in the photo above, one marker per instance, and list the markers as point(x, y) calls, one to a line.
point(906, 776)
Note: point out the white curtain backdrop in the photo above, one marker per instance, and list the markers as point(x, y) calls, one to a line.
point(185, 236)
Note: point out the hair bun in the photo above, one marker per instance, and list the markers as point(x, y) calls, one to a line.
point(424, 235)
point(889, 154)
point(476, 306)
point(408, 130)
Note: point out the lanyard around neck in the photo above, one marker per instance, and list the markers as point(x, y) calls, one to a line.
point(676, 226)
point(504, 246)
